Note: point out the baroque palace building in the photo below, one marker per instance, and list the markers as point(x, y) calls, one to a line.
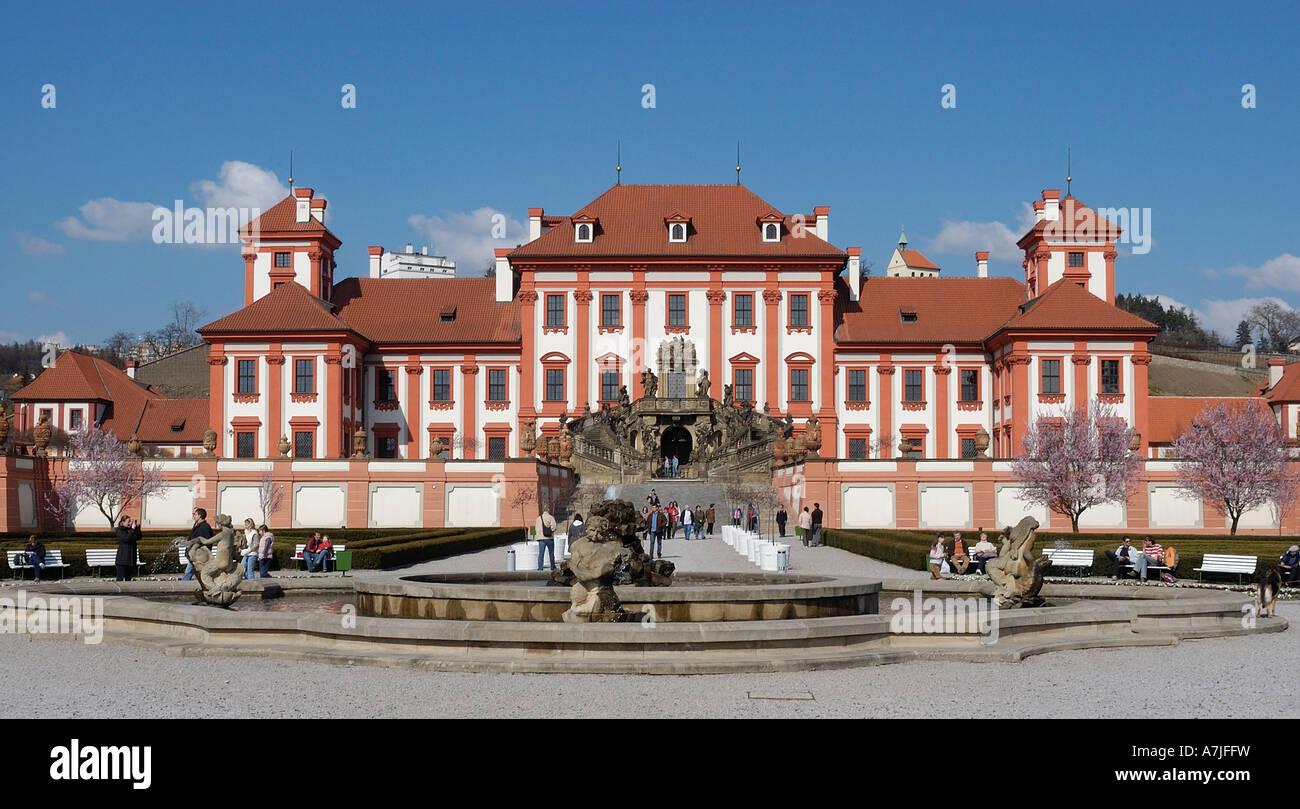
point(706, 293)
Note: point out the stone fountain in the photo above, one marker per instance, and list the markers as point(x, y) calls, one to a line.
point(609, 553)
point(217, 572)
point(1017, 573)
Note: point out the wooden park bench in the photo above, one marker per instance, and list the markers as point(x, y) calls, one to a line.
point(18, 562)
point(333, 555)
point(1080, 558)
point(1227, 563)
point(97, 558)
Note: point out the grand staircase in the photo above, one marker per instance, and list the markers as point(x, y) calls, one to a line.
point(685, 492)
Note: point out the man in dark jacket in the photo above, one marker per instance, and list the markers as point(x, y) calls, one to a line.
point(35, 552)
point(781, 517)
point(817, 525)
point(202, 530)
point(128, 539)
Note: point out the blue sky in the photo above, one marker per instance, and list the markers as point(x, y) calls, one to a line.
point(465, 110)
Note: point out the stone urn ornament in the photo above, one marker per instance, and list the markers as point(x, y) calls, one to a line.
point(527, 437)
point(41, 435)
point(566, 448)
point(812, 436)
point(133, 446)
point(359, 443)
point(1135, 441)
point(209, 443)
point(553, 450)
point(283, 446)
point(981, 443)
point(4, 433)
point(436, 448)
point(904, 447)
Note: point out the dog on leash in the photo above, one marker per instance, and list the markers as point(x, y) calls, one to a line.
point(1269, 585)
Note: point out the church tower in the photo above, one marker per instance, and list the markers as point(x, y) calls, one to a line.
point(289, 242)
point(1072, 241)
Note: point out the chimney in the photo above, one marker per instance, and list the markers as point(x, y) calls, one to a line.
point(303, 210)
point(982, 264)
point(1039, 215)
point(505, 275)
point(855, 272)
point(131, 365)
point(376, 253)
point(1051, 204)
point(1276, 367)
point(534, 223)
point(822, 213)
point(424, 251)
point(410, 248)
point(318, 209)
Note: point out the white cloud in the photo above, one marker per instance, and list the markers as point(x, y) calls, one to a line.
point(1281, 272)
point(110, 220)
point(58, 338)
point(240, 185)
point(38, 296)
point(36, 246)
point(469, 238)
point(964, 238)
point(1223, 315)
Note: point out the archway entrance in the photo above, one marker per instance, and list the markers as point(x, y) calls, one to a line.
point(676, 441)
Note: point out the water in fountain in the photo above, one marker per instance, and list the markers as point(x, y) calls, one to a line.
point(162, 557)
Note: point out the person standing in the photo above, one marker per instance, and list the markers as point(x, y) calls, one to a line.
point(751, 519)
point(128, 544)
point(248, 549)
point(688, 522)
point(35, 553)
point(673, 514)
point(805, 526)
point(674, 466)
point(201, 530)
point(545, 537)
point(668, 467)
point(656, 529)
point(709, 517)
point(816, 525)
point(265, 541)
point(781, 517)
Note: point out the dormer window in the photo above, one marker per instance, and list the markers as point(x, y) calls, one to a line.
point(771, 232)
point(583, 233)
point(679, 225)
point(447, 314)
point(907, 315)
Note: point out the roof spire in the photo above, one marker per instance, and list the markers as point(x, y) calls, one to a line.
point(1067, 171)
point(618, 165)
point(291, 171)
point(902, 238)
point(737, 161)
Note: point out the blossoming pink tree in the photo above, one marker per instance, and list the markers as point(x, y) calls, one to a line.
point(270, 497)
point(1077, 461)
point(102, 473)
point(1236, 456)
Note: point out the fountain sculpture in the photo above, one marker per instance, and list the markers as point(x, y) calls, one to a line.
point(1017, 573)
point(609, 553)
point(217, 572)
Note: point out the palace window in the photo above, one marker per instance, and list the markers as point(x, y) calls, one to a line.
point(1051, 374)
point(583, 233)
point(555, 385)
point(245, 445)
point(798, 310)
point(912, 386)
point(387, 382)
point(303, 441)
point(304, 377)
point(798, 384)
point(247, 376)
point(744, 315)
point(555, 310)
point(677, 232)
point(385, 446)
point(968, 448)
point(283, 260)
point(609, 384)
point(497, 385)
point(442, 384)
point(744, 387)
point(496, 448)
point(677, 310)
point(74, 419)
point(1076, 259)
point(611, 310)
point(858, 386)
point(1110, 376)
point(970, 385)
point(771, 232)
point(858, 449)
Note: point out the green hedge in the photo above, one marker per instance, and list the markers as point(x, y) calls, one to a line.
point(909, 548)
point(391, 548)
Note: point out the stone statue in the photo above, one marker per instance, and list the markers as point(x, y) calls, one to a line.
point(623, 399)
point(41, 435)
point(528, 436)
point(812, 436)
point(563, 420)
point(702, 387)
point(218, 571)
point(608, 553)
point(4, 432)
point(787, 426)
point(650, 383)
point(133, 446)
point(209, 443)
point(727, 401)
point(1017, 572)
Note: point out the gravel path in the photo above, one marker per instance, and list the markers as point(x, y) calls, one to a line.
point(1231, 677)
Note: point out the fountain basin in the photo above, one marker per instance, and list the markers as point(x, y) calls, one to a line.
point(530, 596)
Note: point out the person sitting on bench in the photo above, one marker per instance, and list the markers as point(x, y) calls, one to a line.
point(35, 555)
point(960, 559)
point(316, 552)
point(1289, 565)
point(984, 551)
point(1126, 554)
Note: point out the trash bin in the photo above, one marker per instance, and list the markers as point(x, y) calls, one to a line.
point(343, 562)
point(783, 558)
point(510, 559)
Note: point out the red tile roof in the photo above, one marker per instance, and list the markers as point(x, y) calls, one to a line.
point(1066, 306)
point(172, 421)
point(724, 222)
point(408, 310)
point(289, 308)
point(1169, 416)
point(948, 310)
point(914, 259)
point(1075, 219)
point(281, 217)
point(1287, 388)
